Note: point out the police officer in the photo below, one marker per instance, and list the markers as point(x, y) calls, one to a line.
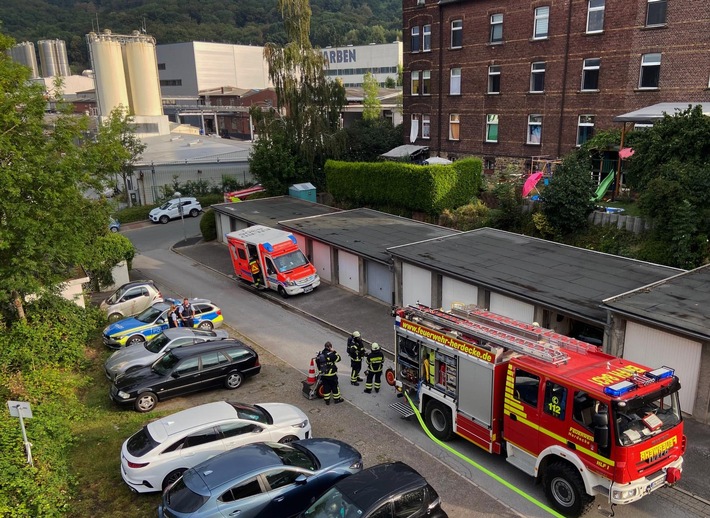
point(356, 351)
point(329, 375)
point(375, 361)
point(187, 314)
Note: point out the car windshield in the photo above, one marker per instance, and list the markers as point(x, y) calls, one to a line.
point(150, 315)
point(165, 205)
point(182, 499)
point(293, 455)
point(141, 443)
point(290, 261)
point(156, 344)
point(165, 364)
point(642, 418)
point(333, 504)
point(252, 413)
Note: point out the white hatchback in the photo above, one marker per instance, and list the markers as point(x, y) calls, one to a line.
point(158, 454)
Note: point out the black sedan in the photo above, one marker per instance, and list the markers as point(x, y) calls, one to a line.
point(186, 369)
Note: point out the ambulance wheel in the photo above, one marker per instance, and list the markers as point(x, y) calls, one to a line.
point(438, 420)
point(390, 378)
point(282, 292)
point(564, 488)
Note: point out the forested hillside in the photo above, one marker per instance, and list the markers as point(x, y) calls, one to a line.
point(245, 22)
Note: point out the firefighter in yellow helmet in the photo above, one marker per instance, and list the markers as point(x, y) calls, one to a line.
point(356, 351)
point(375, 361)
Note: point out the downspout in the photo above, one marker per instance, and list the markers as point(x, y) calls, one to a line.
point(441, 77)
point(564, 79)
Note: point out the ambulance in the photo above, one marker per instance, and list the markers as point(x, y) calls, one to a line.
point(269, 258)
point(582, 422)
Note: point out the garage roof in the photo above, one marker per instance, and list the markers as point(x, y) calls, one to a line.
point(571, 280)
point(680, 303)
point(366, 232)
point(269, 211)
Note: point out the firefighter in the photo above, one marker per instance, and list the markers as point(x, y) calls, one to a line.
point(255, 271)
point(356, 351)
point(374, 368)
point(329, 374)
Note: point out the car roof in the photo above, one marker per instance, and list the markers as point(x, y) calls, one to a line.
point(136, 283)
point(195, 300)
point(181, 332)
point(371, 485)
point(182, 352)
point(177, 423)
point(235, 463)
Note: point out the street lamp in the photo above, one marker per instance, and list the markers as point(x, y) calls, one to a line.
point(182, 214)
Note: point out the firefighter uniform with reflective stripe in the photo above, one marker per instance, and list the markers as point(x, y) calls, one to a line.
point(329, 374)
point(375, 361)
point(356, 351)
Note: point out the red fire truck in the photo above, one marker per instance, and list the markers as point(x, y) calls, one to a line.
point(582, 422)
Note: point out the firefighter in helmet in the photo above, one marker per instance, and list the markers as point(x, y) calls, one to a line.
point(375, 361)
point(255, 271)
point(356, 351)
point(329, 374)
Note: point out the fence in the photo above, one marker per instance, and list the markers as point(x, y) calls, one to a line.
point(634, 224)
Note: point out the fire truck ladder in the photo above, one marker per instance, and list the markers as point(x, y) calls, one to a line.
point(499, 332)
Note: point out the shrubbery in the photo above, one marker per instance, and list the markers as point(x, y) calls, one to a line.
point(208, 226)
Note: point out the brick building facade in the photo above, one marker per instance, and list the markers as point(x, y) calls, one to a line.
point(517, 79)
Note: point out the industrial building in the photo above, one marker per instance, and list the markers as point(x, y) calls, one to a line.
point(350, 64)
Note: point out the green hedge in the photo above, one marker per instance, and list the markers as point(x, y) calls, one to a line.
point(131, 214)
point(429, 189)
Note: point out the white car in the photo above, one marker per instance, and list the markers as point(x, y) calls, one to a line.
point(131, 299)
point(171, 209)
point(158, 454)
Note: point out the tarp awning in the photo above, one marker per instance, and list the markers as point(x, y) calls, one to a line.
point(404, 151)
point(657, 111)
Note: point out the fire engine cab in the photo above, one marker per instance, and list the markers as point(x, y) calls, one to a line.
point(581, 421)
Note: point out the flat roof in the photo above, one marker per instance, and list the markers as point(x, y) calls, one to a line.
point(366, 232)
point(569, 279)
point(270, 211)
point(172, 148)
point(679, 303)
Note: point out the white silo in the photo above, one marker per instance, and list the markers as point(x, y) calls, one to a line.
point(141, 66)
point(109, 75)
point(48, 58)
point(62, 58)
point(24, 54)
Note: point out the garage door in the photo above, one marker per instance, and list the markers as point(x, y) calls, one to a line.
point(416, 285)
point(321, 260)
point(348, 270)
point(654, 348)
point(453, 290)
point(380, 281)
point(301, 243)
point(512, 308)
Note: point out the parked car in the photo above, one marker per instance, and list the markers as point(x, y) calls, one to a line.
point(114, 225)
point(158, 454)
point(130, 299)
point(129, 358)
point(154, 320)
point(171, 209)
point(385, 490)
point(262, 479)
point(184, 370)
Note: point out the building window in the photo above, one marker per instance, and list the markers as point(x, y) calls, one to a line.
point(161, 66)
point(426, 82)
point(656, 12)
point(426, 38)
point(426, 126)
point(414, 130)
point(590, 74)
point(455, 84)
point(415, 39)
point(595, 16)
point(456, 34)
point(454, 123)
point(585, 128)
point(534, 129)
point(171, 82)
point(415, 82)
point(542, 22)
point(494, 79)
point(491, 128)
point(650, 71)
point(496, 28)
point(537, 77)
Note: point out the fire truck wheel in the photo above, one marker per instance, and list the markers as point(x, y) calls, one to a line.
point(438, 420)
point(565, 489)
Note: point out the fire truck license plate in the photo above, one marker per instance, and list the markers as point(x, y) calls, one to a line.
point(656, 484)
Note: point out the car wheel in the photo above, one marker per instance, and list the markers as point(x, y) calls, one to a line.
point(206, 324)
point(282, 292)
point(288, 439)
point(438, 420)
point(164, 219)
point(114, 229)
point(194, 213)
point(146, 402)
point(135, 339)
point(172, 477)
point(114, 317)
point(233, 380)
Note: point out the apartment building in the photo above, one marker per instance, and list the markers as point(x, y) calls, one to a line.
point(508, 80)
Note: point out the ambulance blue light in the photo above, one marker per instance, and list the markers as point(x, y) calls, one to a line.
point(661, 373)
point(268, 247)
point(619, 389)
point(293, 239)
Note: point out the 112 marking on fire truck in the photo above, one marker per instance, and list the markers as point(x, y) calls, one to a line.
point(581, 421)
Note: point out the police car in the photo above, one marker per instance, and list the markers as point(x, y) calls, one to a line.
point(154, 320)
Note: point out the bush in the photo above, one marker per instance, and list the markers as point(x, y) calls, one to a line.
point(208, 226)
point(468, 217)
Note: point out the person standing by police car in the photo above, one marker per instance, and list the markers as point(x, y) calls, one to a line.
point(329, 373)
point(356, 351)
point(187, 314)
point(375, 361)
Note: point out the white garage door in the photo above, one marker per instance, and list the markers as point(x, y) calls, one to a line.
point(512, 308)
point(380, 281)
point(416, 285)
point(321, 260)
point(453, 290)
point(348, 272)
point(654, 348)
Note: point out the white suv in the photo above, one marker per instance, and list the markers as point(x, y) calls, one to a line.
point(171, 209)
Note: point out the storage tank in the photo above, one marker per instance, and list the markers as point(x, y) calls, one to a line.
point(48, 58)
point(62, 58)
point(24, 54)
point(142, 71)
point(109, 75)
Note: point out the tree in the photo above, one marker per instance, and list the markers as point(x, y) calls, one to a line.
point(567, 201)
point(368, 139)
point(372, 109)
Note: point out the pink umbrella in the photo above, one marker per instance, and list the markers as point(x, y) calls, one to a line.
point(626, 153)
point(531, 182)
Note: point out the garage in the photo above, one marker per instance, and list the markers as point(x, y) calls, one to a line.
point(655, 348)
point(416, 285)
point(453, 290)
point(349, 270)
point(380, 282)
point(512, 308)
point(321, 260)
point(301, 242)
